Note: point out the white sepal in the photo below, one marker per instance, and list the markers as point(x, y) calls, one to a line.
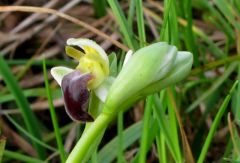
point(59, 72)
point(102, 91)
point(127, 57)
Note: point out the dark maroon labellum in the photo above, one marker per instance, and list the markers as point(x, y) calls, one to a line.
point(76, 95)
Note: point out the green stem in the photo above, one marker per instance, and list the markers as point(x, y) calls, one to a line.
point(83, 145)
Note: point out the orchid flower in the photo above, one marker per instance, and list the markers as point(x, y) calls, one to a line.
point(91, 72)
point(146, 71)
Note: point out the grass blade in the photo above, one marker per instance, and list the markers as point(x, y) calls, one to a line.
point(120, 158)
point(164, 128)
point(164, 33)
point(145, 135)
point(234, 136)
point(37, 141)
point(140, 23)
point(189, 35)
point(99, 8)
point(131, 134)
point(35, 92)
point(53, 116)
point(172, 125)
point(227, 10)
point(122, 21)
point(225, 25)
point(162, 149)
point(51, 62)
point(29, 118)
point(215, 124)
point(2, 146)
point(153, 127)
point(186, 148)
point(216, 85)
point(20, 157)
point(131, 12)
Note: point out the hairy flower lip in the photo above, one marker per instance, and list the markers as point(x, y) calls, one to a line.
point(76, 95)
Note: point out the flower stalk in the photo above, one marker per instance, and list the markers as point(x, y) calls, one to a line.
point(81, 152)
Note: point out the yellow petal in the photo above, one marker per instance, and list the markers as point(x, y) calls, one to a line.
point(73, 52)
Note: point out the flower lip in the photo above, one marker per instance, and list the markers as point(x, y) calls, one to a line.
point(76, 95)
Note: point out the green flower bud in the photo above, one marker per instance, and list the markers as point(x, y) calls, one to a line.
point(149, 70)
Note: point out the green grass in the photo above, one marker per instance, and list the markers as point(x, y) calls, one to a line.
point(53, 116)
point(29, 118)
point(99, 8)
point(145, 133)
point(20, 157)
point(127, 32)
point(215, 124)
point(174, 124)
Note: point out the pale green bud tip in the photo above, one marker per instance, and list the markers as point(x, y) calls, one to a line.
point(180, 69)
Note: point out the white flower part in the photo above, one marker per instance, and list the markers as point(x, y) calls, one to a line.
point(86, 42)
point(102, 91)
point(168, 63)
point(127, 57)
point(59, 72)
